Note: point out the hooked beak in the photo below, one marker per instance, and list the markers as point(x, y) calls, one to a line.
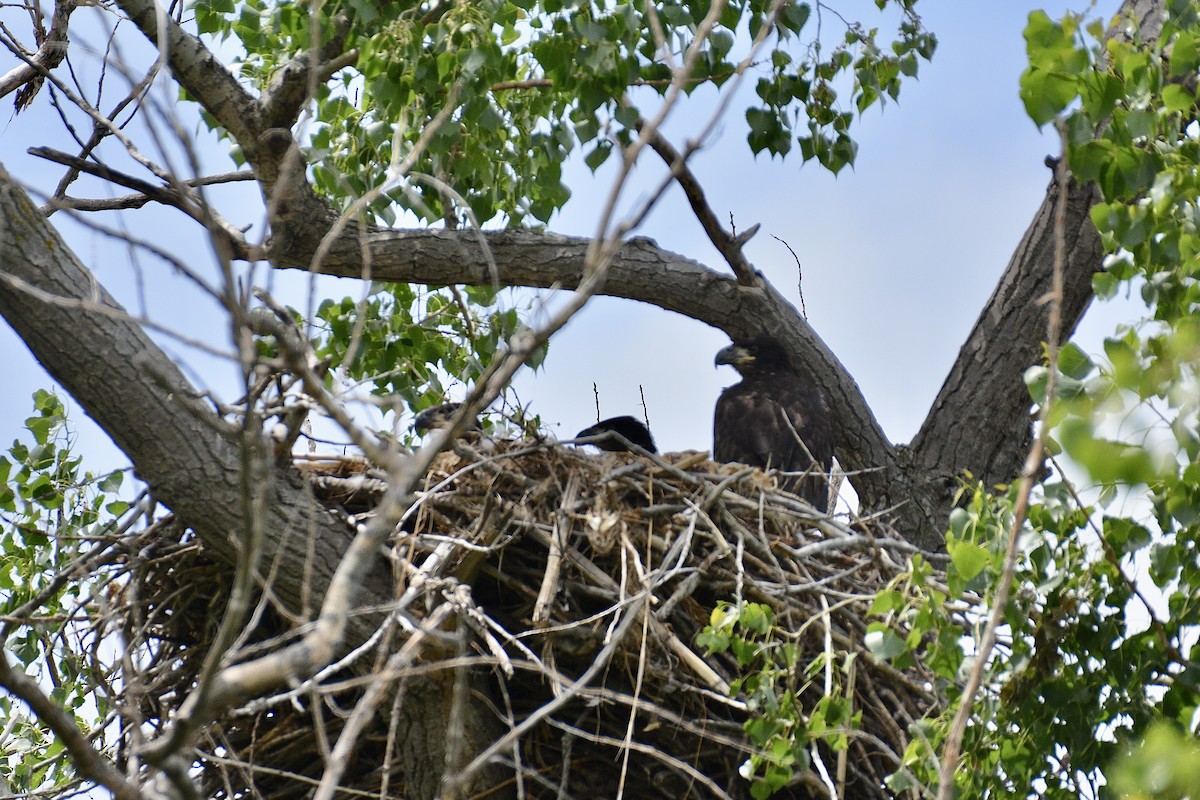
point(734, 356)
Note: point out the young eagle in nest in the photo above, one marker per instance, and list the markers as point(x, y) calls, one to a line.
point(613, 434)
point(774, 418)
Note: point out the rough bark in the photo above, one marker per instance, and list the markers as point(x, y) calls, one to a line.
point(186, 454)
point(985, 395)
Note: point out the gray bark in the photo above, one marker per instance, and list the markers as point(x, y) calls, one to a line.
point(187, 455)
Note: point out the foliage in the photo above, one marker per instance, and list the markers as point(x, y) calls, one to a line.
point(519, 85)
point(403, 340)
point(1095, 681)
point(1165, 766)
point(49, 509)
point(1092, 656)
point(526, 82)
point(1098, 633)
point(772, 686)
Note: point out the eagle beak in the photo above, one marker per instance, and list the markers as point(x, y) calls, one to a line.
point(734, 356)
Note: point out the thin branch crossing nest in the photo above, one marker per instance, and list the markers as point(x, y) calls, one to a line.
point(569, 590)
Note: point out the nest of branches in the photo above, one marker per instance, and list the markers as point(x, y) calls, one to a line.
point(578, 589)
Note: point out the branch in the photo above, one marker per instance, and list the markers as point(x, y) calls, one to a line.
point(184, 452)
point(985, 394)
point(1033, 466)
point(193, 206)
point(729, 246)
point(292, 84)
point(200, 72)
point(50, 53)
point(138, 200)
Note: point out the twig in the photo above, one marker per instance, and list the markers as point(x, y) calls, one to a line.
point(1033, 462)
point(799, 274)
point(728, 245)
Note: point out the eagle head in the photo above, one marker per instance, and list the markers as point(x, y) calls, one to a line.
point(758, 353)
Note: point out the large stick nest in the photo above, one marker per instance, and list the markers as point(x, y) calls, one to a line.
point(548, 558)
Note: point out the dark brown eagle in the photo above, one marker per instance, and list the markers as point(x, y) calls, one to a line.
point(617, 433)
point(774, 418)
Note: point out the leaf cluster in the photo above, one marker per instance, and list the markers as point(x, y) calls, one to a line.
point(50, 508)
point(407, 342)
point(1073, 676)
point(524, 83)
point(772, 684)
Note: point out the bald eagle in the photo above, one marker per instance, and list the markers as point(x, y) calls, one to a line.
point(613, 434)
point(774, 418)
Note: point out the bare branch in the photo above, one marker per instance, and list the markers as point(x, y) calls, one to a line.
point(50, 53)
point(728, 245)
point(1033, 466)
point(200, 72)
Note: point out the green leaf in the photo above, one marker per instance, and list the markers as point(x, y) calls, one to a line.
point(1185, 58)
point(969, 558)
point(1177, 98)
point(1073, 362)
point(598, 155)
point(887, 600)
point(1045, 94)
point(756, 617)
point(794, 16)
point(883, 643)
point(1106, 461)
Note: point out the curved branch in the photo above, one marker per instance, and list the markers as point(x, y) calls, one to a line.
point(300, 222)
point(727, 244)
point(642, 271)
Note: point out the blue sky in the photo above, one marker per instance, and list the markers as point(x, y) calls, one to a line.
point(898, 254)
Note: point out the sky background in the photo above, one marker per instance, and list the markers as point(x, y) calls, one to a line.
point(898, 254)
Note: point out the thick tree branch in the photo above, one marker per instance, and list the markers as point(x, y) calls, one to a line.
point(984, 393)
point(640, 271)
point(182, 450)
point(293, 84)
point(200, 72)
point(980, 420)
